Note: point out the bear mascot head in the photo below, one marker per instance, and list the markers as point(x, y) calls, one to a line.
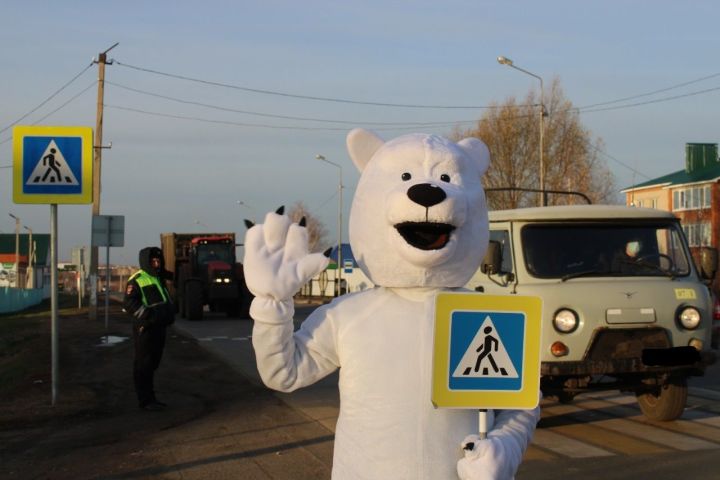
point(419, 217)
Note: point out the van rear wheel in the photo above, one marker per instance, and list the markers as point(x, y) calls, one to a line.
point(666, 402)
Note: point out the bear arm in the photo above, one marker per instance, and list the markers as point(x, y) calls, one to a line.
point(290, 360)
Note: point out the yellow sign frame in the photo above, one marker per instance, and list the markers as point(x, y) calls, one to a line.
point(528, 395)
point(21, 132)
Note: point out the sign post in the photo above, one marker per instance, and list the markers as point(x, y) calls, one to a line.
point(52, 165)
point(486, 353)
point(108, 231)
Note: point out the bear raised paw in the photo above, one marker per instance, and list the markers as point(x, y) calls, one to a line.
point(418, 226)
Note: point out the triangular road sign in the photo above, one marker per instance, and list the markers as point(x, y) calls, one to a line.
point(52, 169)
point(486, 356)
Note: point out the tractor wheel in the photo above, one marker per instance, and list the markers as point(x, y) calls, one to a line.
point(180, 301)
point(666, 402)
point(194, 301)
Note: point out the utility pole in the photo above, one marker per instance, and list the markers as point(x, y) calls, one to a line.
point(97, 160)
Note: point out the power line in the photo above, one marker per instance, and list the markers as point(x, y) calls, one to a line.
point(270, 115)
point(257, 125)
point(94, 82)
point(659, 100)
point(633, 97)
point(47, 99)
point(605, 154)
point(302, 97)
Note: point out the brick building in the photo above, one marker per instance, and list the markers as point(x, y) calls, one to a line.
point(692, 194)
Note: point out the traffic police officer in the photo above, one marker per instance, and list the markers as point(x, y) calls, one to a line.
point(148, 301)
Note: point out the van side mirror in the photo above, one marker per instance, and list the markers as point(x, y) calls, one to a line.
point(708, 262)
point(492, 262)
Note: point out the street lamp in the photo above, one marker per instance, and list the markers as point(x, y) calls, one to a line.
point(17, 249)
point(339, 228)
point(31, 276)
point(506, 61)
point(243, 204)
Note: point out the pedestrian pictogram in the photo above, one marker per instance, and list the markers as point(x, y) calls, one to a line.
point(52, 164)
point(486, 355)
point(486, 351)
point(52, 168)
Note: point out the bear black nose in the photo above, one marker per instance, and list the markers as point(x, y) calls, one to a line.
point(426, 194)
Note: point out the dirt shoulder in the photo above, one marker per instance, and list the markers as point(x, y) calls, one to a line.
point(218, 424)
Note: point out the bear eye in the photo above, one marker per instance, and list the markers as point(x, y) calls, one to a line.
point(406, 176)
point(445, 177)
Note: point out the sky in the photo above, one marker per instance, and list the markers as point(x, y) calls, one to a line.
point(216, 110)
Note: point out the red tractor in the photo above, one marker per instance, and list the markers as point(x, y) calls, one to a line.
point(205, 273)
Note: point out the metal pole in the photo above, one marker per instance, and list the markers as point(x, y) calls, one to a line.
point(54, 299)
point(542, 198)
point(29, 270)
point(17, 250)
point(107, 276)
point(97, 162)
point(340, 264)
point(482, 424)
point(338, 275)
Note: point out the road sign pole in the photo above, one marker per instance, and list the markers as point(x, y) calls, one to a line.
point(107, 277)
point(482, 424)
point(54, 299)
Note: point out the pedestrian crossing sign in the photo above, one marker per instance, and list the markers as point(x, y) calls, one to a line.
point(52, 164)
point(486, 352)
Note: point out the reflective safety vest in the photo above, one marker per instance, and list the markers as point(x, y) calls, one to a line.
point(151, 288)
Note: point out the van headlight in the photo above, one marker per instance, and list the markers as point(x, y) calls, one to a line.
point(688, 317)
point(565, 320)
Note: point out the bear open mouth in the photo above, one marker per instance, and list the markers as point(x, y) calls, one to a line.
point(425, 235)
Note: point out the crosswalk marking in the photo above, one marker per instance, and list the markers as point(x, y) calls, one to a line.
point(566, 446)
point(604, 424)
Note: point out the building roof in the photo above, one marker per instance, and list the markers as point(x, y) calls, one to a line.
point(41, 241)
point(681, 177)
point(347, 254)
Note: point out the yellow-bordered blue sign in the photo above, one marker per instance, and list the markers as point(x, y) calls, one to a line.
point(486, 351)
point(52, 164)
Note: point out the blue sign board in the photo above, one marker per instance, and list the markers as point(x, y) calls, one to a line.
point(52, 164)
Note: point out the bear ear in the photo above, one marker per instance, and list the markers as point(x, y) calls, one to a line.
point(362, 145)
point(478, 151)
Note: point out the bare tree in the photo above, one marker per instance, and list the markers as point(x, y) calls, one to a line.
point(570, 156)
point(316, 229)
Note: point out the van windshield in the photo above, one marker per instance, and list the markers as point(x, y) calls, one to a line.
point(576, 250)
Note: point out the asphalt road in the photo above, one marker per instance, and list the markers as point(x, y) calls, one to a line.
point(599, 436)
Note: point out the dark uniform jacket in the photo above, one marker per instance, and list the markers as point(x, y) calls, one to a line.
point(157, 309)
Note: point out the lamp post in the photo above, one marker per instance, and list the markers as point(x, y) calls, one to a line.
point(506, 61)
point(29, 275)
point(243, 204)
point(339, 228)
point(17, 249)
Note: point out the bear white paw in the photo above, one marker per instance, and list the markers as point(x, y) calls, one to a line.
point(485, 460)
point(277, 262)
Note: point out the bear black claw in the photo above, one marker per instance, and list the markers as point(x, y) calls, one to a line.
point(280, 210)
point(302, 222)
point(327, 252)
point(249, 224)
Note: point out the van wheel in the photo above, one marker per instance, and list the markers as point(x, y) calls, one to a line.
point(666, 402)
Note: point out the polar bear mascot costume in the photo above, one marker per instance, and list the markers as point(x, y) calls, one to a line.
point(418, 226)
